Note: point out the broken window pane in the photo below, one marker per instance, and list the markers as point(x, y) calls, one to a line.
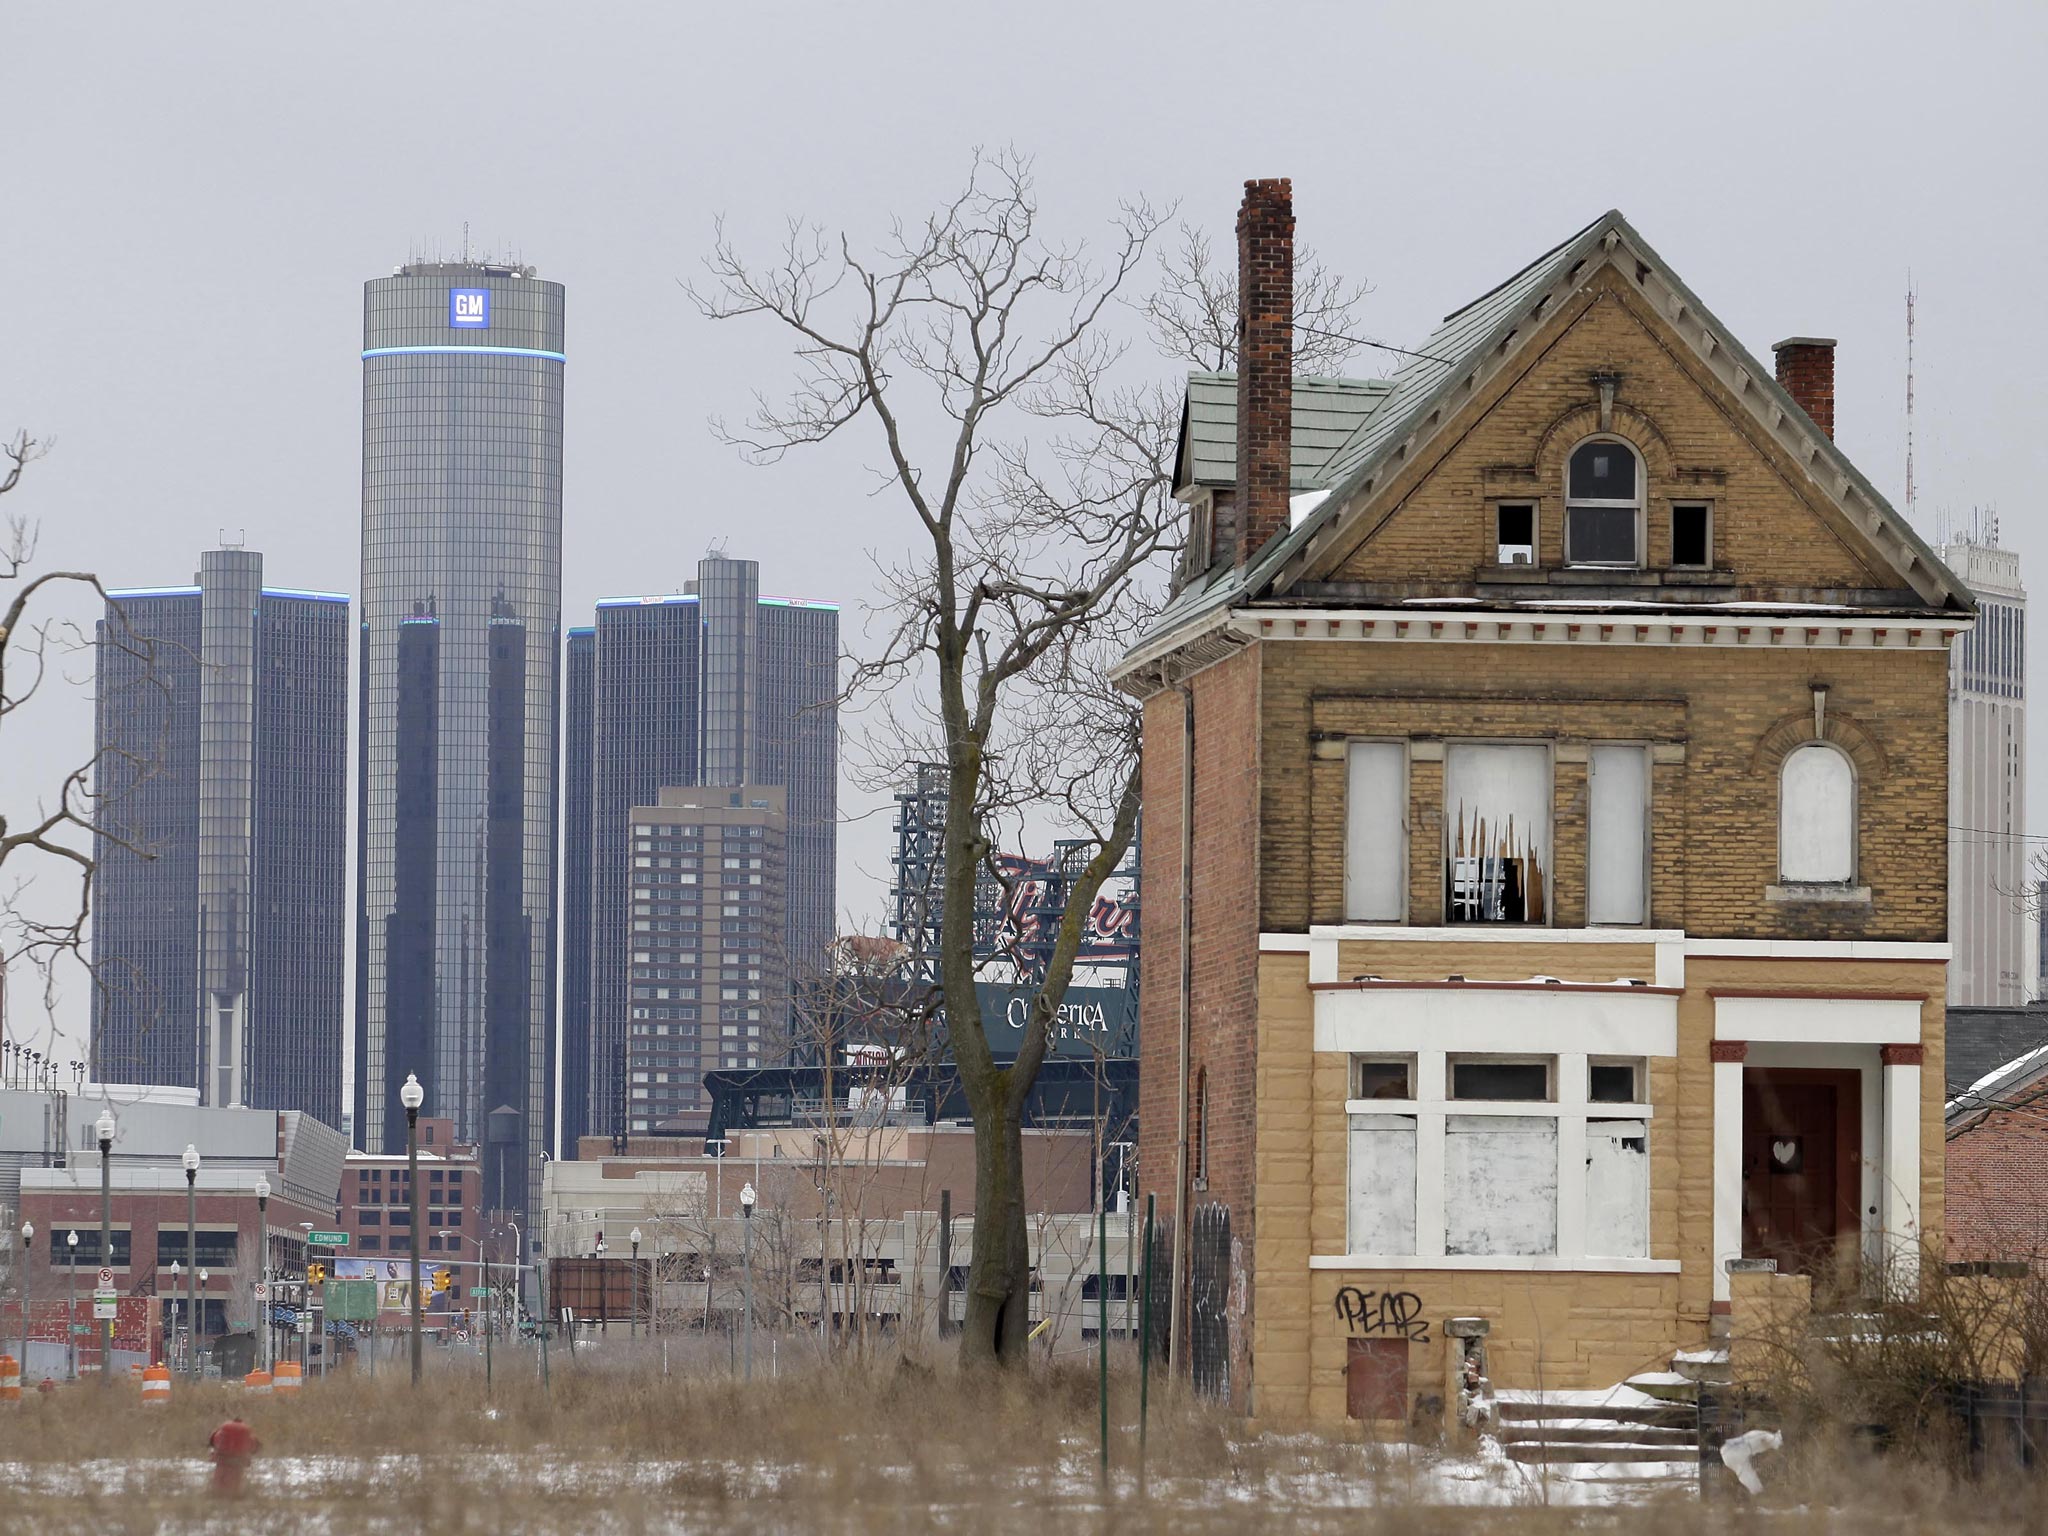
point(1617, 834)
point(1612, 1083)
point(1515, 525)
point(1689, 534)
point(1617, 1189)
point(1497, 831)
point(1603, 502)
point(1817, 816)
point(1375, 812)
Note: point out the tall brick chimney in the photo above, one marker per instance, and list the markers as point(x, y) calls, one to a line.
point(1806, 368)
point(1265, 365)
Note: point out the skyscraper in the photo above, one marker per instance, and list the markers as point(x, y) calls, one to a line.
point(571, 1076)
point(461, 631)
point(709, 985)
point(221, 721)
point(715, 686)
point(1987, 860)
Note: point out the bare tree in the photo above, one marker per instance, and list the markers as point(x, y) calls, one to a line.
point(1036, 517)
point(1193, 312)
point(56, 835)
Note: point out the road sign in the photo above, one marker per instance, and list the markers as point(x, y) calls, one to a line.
point(105, 1304)
point(478, 1292)
point(328, 1239)
point(106, 1280)
point(81, 1328)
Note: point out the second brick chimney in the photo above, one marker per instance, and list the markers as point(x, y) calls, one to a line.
point(1265, 366)
point(1806, 369)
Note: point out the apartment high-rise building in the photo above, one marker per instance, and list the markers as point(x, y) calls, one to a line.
point(219, 924)
point(708, 986)
point(716, 686)
point(570, 1063)
point(461, 639)
point(1988, 879)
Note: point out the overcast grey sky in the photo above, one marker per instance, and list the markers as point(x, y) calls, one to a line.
point(195, 194)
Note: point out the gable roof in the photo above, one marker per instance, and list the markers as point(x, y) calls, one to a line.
point(1991, 1052)
point(1471, 344)
point(1327, 414)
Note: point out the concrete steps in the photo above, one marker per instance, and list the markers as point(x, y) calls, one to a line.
point(1569, 1429)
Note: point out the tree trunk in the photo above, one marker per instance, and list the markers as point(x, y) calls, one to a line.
point(998, 1321)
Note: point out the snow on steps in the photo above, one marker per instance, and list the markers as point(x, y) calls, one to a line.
point(1621, 1427)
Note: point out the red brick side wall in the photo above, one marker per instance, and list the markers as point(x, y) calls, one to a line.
point(1998, 1183)
point(1225, 946)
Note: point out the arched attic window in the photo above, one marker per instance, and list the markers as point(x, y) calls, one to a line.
point(1603, 504)
point(1816, 816)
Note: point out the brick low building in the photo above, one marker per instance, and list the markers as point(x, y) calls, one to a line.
point(1545, 759)
point(1997, 1143)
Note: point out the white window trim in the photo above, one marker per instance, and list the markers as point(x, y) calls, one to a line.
point(1570, 1107)
point(1402, 744)
point(1443, 850)
point(1649, 828)
point(1823, 890)
point(1603, 503)
point(1535, 1263)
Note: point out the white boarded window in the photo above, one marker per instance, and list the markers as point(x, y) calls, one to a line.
point(1497, 834)
point(1618, 826)
point(1500, 1184)
point(1617, 1189)
point(1382, 1184)
point(1375, 818)
point(1816, 816)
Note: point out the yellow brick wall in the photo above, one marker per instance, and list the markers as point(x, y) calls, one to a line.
point(1771, 525)
point(1549, 1330)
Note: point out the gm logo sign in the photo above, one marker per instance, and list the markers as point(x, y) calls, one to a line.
point(469, 309)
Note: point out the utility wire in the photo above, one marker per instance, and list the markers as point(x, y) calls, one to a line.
point(1364, 341)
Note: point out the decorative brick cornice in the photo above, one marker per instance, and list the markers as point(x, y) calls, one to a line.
point(1902, 1055)
point(1728, 1050)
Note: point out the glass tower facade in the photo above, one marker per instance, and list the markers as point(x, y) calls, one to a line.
point(461, 631)
point(573, 1081)
point(221, 724)
point(718, 686)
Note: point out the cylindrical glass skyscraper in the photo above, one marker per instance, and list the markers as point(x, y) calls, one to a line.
point(461, 630)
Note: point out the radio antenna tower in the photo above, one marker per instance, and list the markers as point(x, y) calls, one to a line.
point(1911, 497)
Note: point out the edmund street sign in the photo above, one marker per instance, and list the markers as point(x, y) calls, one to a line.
point(328, 1239)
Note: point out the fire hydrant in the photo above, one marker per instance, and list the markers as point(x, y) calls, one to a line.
point(234, 1445)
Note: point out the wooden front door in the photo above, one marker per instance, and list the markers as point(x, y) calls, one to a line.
point(1801, 1170)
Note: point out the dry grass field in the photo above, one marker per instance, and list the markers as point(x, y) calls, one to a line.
point(850, 1449)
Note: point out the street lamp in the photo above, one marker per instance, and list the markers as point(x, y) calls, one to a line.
point(105, 1127)
point(412, 1096)
point(191, 1162)
point(28, 1275)
point(633, 1237)
point(747, 1263)
point(177, 1269)
point(263, 1239)
point(604, 1292)
point(71, 1313)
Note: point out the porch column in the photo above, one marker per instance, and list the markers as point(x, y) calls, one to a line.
point(1899, 1174)
point(1728, 1057)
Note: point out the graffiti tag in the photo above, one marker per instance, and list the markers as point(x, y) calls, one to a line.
point(1383, 1312)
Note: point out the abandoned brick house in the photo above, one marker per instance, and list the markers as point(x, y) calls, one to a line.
point(1545, 775)
point(1997, 1185)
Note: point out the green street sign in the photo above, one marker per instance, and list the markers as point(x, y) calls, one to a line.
point(328, 1239)
point(352, 1301)
point(477, 1292)
point(82, 1328)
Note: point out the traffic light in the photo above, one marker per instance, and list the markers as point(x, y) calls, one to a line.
point(442, 1279)
point(315, 1273)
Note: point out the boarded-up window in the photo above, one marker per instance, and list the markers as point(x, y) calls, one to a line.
point(1617, 861)
point(1497, 834)
point(1617, 1189)
point(1382, 1184)
point(1500, 1184)
point(1816, 816)
point(1375, 814)
point(1376, 1379)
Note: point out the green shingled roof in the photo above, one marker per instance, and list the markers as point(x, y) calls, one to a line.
point(1327, 414)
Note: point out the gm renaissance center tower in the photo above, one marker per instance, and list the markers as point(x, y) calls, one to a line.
point(461, 630)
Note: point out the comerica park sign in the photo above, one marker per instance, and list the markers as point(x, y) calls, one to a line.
point(1091, 1022)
